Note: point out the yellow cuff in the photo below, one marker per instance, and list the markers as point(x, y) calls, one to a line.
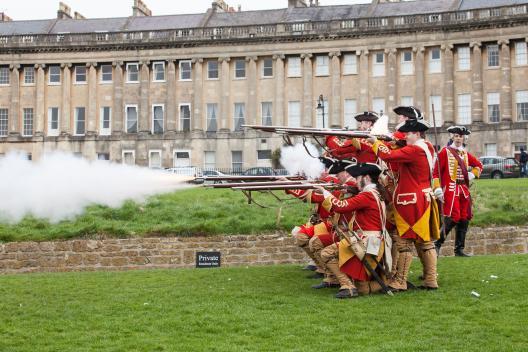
point(436, 183)
point(476, 172)
point(375, 146)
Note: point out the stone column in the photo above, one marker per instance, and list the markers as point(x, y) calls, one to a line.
point(364, 77)
point(198, 118)
point(224, 108)
point(308, 103)
point(448, 107)
point(392, 79)
point(16, 124)
point(419, 71)
point(144, 108)
point(252, 110)
point(171, 109)
point(40, 113)
point(335, 97)
point(476, 68)
point(91, 113)
point(65, 120)
point(117, 113)
point(279, 118)
point(506, 89)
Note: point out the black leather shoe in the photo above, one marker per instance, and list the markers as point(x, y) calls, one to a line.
point(310, 268)
point(315, 276)
point(347, 293)
point(324, 285)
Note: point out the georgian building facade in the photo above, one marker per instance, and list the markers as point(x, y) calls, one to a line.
point(169, 91)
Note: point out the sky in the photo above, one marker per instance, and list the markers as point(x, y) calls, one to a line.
point(46, 9)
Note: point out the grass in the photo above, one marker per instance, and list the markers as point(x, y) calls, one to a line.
point(201, 211)
point(263, 309)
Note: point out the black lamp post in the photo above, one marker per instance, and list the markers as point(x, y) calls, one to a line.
point(320, 106)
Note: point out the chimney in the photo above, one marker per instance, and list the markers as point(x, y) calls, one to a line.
point(220, 6)
point(140, 9)
point(78, 16)
point(4, 17)
point(64, 11)
point(296, 3)
point(239, 8)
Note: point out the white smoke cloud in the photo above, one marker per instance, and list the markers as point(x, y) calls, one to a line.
point(59, 186)
point(297, 161)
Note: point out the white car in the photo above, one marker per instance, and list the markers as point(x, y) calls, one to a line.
point(187, 171)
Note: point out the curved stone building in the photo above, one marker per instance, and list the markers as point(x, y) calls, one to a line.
point(174, 90)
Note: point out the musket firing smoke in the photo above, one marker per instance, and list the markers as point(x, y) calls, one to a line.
point(298, 162)
point(59, 186)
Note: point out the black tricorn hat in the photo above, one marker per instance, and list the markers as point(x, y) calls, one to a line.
point(340, 166)
point(461, 130)
point(367, 116)
point(362, 169)
point(413, 126)
point(409, 111)
point(327, 161)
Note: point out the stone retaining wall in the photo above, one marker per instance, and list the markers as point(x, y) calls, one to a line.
point(180, 252)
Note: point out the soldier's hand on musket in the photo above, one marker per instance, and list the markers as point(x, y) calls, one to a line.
point(439, 194)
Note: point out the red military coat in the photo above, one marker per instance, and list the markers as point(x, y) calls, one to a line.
point(456, 193)
point(357, 148)
point(367, 215)
point(412, 195)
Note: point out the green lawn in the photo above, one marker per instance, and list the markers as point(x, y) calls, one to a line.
point(202, 211)
point(263, 309)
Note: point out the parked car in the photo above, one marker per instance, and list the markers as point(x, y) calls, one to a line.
point(498, 167)
point(213, 173)
point(259, 171)
point(188, 171)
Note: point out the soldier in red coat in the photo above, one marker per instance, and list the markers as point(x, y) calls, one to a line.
point(451, 182)
point(365, 215)
point(354, 148)
point(413, 202)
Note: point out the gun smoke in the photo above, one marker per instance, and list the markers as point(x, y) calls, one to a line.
point(298, 162)
point(60, 186)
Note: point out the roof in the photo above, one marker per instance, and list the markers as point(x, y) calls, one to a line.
point(245, 18)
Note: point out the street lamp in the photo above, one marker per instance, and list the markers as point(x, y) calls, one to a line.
point(320, 106)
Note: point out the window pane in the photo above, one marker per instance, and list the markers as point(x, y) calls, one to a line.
point(320, 121)
point(350, 64)
point(435, 100)
point(240, 69)
point(493, 55)
point(80, 121)
point(212, 125)
point(240, 111)
point(4, 122)
point(157, 123)
point(106, 118)
point(80, 73)
point(159, 71)
point(212, 69)
point(464, 62)
point(4, 75)
point(267, 113)
point(378, 105)
point(133, 72)
point(267, 68)
point(464, 109)
point(294, 114)
point(185, 118)
point(131, 112)
point(322, 68)
point(521, 57)
point(236, 160)
point(29, 75)
point(54, 74)
point(209, 159)
point(264, 154)
point(28, 122)
point(294, 66)
point(185, 70)
point(106, 73)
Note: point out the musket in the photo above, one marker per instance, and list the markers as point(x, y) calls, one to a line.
point(278, 187)
point(316, 132)
point(439, 173)
point(242, 178)
point(344, 235)
point(253, 184)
